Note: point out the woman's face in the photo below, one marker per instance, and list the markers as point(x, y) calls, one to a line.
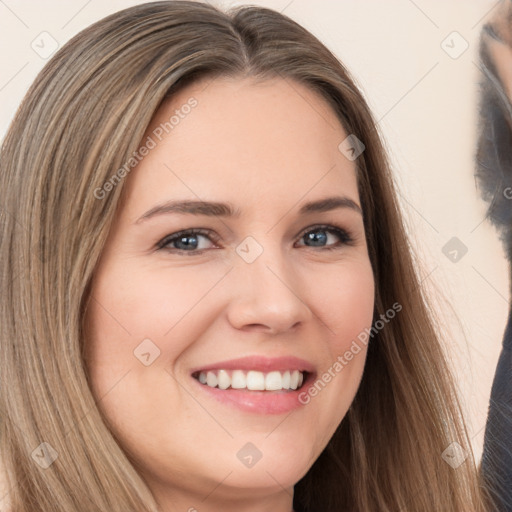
point(275, 293)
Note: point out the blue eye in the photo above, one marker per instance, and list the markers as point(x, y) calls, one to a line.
point(187, 241)
point(312, 236)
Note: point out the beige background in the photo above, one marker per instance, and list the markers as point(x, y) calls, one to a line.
point(425, 101)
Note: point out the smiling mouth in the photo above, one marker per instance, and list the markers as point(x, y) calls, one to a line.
point(289, 380)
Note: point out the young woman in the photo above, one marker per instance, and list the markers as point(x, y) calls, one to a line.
point(209, 301)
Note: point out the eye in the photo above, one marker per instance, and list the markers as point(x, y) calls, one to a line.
point(311, 235)
point(188, 241)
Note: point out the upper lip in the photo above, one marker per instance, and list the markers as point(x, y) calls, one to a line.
point(260, 363)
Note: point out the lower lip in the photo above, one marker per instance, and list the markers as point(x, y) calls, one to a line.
point(259, 402)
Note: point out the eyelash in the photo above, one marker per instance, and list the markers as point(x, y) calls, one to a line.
point(343, 234)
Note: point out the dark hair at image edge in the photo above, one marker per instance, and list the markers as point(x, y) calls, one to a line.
point(83, 117)
point(494, 177)
point(493, 156)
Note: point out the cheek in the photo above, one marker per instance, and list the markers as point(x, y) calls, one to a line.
point(130, 305)
point(344, 301)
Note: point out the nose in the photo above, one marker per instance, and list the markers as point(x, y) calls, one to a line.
point(267, 296)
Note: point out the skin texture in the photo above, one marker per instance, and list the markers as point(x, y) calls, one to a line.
point(266, 148)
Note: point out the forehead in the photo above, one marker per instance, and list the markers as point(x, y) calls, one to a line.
point(244, 142)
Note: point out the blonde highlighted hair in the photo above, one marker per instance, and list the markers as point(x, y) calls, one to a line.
point(82, 119)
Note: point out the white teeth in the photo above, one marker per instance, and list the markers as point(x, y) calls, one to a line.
point(294, 380)
point(255, 381)
point(286, 380)
point(238, 380)
point(273, 381)
point(252, 380)
point(211, 379)
point(223, 379)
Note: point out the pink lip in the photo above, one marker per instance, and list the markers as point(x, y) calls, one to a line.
point(260, 364)
point(260, 402)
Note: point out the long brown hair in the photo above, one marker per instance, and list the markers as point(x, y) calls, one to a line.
point(82, 119)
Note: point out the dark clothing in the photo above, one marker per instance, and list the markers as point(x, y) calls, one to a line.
point(497, 453)
point(494, 172)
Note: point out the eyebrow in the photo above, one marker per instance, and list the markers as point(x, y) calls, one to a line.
point(216, 209)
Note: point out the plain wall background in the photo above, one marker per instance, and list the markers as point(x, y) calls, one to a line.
point(425, 101)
